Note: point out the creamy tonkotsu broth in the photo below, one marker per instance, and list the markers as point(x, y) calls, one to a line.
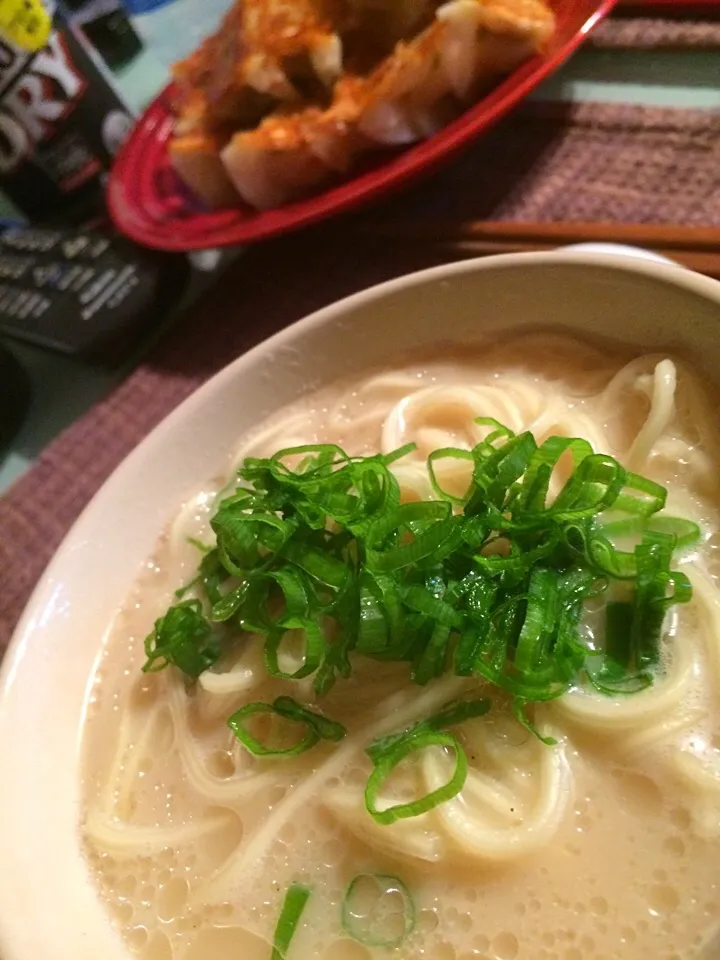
point(605, 845)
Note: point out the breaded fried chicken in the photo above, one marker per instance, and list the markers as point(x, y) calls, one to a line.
point(251, 123)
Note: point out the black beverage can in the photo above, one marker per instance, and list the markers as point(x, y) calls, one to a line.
point(61, 123)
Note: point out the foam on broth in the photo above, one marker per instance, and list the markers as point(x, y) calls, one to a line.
point(629, 870)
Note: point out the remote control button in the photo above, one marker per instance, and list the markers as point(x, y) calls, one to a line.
point(83, 277)
point(97, 246)
point(94, 289)
point(14, 268)
point(41, 307)
point(73, 247)
point(31, 241)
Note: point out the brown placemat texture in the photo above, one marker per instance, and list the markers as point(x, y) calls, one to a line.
point(602, 162)
point(656, 33)
point(584, 162)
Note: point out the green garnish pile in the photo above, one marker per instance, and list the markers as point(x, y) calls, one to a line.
point(493, 584)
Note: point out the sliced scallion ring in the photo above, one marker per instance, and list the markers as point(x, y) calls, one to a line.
point(378, 911)
point(386, 761)
point(318, 727)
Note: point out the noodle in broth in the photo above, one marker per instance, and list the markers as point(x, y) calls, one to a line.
point(602, 846)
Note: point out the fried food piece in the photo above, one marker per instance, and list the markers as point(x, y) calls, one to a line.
point(262, 54)
point(370, 29)
point(410, 95)
point(196, 158)
point(273, 164)
point(259, 58)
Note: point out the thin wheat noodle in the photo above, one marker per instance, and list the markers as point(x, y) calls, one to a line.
point(609, 715)
point(662, 408)
point(213, 789)
point(248, 856)
point(516, 812)
point(468, 825)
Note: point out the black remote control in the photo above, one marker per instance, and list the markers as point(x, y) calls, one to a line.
point(87, 293)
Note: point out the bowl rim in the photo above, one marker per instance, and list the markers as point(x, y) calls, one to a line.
point(13, 942)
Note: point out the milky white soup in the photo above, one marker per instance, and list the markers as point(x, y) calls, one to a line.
point(604, 845)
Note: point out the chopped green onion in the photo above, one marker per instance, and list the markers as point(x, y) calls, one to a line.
point(318, 727)
point(326, 543)
point(229, 604)
point(381, 617)
point(654, 579)
point(496, 470)
point(451, 715)
point(213, 574)
point(387, 752)
point(536, 481)
point(385, 763)
point(370, 911)
point(519, 712)
point(435, 527)
point(686, 533)
point(612, 680)
point(592, 488)
point(607, 560)
point(499, 432)
point(314, 546)
point(321, 566)
point(447, 453)
point(432, 659)
point(314, 648)
point(618, 630)
point(651, 499)
point(199, 545)
point(398, 454)
point(184, 638)
point(533, 646)
point(184, 590)
point(481, 596)
point(293, 906)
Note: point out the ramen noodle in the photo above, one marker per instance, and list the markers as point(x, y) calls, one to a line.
point(602, 844)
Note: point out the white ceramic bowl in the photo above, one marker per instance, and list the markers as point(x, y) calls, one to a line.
point(48, 908)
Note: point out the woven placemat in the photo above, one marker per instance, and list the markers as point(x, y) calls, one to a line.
point(585, 162)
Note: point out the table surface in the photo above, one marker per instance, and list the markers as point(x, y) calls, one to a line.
point(63, 388)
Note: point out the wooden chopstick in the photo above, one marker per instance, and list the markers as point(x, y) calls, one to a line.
point(653, 236)
point(697, 248)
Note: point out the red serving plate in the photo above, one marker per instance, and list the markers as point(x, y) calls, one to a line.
point(149, 203)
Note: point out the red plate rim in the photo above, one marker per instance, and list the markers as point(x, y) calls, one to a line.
point(167, 220)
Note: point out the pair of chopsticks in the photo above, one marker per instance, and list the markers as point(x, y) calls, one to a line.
point(697, 248)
